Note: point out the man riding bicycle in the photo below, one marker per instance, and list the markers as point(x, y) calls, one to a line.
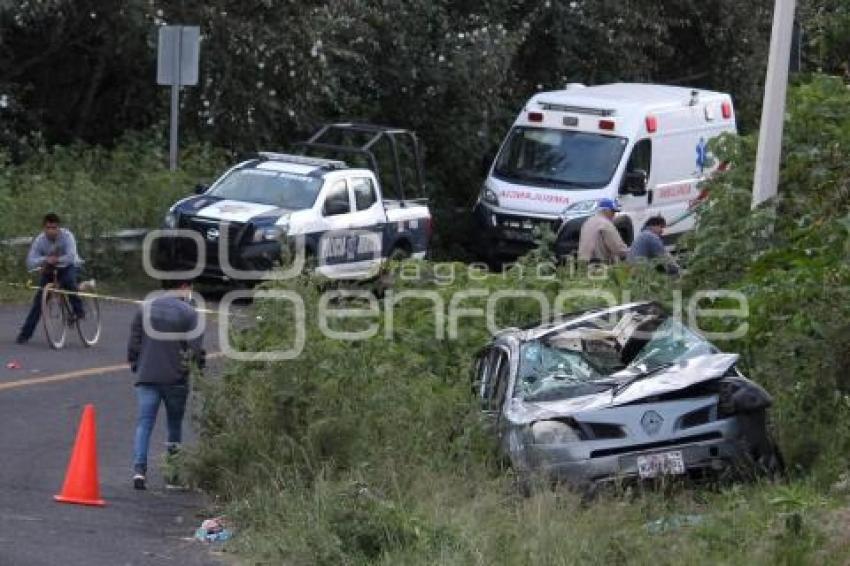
point(54, 252)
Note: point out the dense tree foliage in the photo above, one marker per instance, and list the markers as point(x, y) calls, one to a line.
point(455, 71)
point(826, 35)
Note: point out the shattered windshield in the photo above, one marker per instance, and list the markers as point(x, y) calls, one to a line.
point(671, 342)
point(559, 158)
point(576, 361)
point(548, 372)
point(275, 188)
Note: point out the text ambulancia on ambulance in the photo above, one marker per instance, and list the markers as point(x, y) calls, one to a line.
point(338, 216)
point(645, 145)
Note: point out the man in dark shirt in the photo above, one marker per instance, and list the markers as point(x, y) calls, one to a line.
point(164, 342)
point(649, 246)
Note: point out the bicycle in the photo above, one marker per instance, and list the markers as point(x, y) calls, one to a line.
point(57, 315)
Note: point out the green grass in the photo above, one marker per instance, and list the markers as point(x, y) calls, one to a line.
point(417, 517)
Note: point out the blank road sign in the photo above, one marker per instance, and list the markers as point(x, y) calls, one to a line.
point(177, 58)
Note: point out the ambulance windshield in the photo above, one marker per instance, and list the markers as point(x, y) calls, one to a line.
point(562, 159)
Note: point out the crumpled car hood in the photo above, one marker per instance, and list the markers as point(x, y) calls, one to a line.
point(684, 374)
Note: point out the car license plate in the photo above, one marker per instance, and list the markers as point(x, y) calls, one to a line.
point(661, 464)
point(517, 235)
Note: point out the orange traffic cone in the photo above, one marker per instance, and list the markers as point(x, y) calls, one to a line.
point(81, 483)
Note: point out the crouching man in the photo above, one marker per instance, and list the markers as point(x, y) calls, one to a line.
point(649, 246)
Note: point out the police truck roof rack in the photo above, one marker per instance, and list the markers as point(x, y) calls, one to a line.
point(301, 160)
point(372, 134)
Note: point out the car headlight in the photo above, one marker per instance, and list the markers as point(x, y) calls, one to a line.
point(270, 234)
point(553, 432)
point(170, 220)
point(579, 209)
point(489, 196)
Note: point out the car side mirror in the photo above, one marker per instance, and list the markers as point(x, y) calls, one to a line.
point(335, 207)
point(201, 188)
point(634, 182)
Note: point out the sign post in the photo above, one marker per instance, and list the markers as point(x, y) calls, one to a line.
point(177, 65)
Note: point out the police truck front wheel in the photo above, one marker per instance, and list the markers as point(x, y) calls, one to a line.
point(398, 253)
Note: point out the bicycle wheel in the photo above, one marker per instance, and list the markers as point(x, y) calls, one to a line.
point(88, 327)
point(53, 316)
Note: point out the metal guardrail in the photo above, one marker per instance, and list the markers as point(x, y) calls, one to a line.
point(128, 240)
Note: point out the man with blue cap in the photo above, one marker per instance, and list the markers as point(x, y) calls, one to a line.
point(599, 239)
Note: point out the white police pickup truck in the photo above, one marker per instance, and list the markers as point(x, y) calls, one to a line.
point(337, 214)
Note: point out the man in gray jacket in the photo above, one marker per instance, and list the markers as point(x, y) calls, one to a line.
point(165, 341)
point(54, 254)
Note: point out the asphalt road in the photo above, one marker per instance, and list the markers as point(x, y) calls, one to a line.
point(40, 407)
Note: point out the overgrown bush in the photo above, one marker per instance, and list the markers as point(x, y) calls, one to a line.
point(790, 259)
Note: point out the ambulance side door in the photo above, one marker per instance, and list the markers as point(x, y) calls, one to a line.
point(635, 194)
point(680, 164)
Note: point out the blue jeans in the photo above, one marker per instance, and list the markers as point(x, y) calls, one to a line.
point(67, 278)
point(149, 397)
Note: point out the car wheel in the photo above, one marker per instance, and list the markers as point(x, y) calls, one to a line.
point(523, 483)
point(624, 227)
point(398, 253)
point(771, 464)
point(763, 460)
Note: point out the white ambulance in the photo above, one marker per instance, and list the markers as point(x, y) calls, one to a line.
point(643, 144)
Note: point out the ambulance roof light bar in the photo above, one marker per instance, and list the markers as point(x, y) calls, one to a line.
point(601, 112)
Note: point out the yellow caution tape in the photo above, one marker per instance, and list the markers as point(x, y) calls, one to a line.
point(102, 296)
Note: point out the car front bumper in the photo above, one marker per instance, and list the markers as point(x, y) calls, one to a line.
point(722, 448)
point(181, 254)
point(502, 235)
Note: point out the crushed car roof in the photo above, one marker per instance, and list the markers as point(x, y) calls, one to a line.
point(563, 321)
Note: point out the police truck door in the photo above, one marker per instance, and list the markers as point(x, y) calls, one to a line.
point(332, 245)
point(368, 222)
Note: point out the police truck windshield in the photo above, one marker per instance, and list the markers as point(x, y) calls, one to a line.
point(275, 188)
point(559, 158)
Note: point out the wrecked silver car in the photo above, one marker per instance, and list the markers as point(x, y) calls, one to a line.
point(619, 394)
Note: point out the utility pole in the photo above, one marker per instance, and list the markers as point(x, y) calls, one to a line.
point(768, 157)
